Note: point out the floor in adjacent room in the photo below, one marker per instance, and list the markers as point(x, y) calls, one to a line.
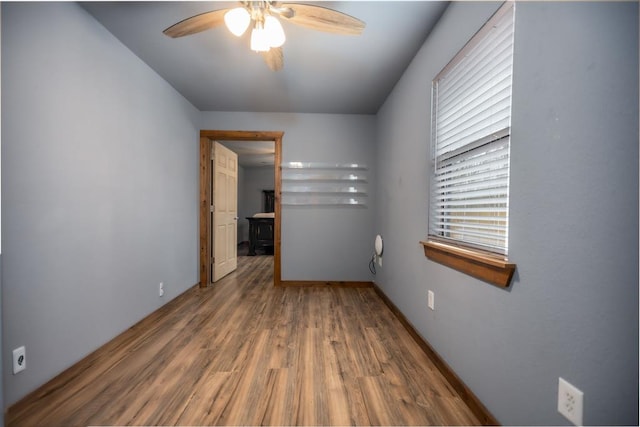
point(243, 352)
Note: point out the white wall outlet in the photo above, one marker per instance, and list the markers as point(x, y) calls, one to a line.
point(19, 360)
point(570, 402)
point(430, 299)
point(161, 289)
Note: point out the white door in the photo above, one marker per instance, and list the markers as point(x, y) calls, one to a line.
point(225, 211)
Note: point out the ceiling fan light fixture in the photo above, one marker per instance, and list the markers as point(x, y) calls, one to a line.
point(274, 31)
point(267, 32)
point(259, 39)
point(237, 20)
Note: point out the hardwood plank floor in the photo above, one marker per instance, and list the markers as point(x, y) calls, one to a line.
point(245, 353)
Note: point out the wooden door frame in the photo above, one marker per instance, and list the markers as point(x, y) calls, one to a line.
point(206, 138)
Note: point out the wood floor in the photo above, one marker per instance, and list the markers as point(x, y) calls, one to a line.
point(244, 352)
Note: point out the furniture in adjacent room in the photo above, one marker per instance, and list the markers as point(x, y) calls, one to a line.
point(261, 225)
point(268, 197)
point(261, 232)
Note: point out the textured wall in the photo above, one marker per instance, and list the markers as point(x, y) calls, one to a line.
point(572, 310)
point(318, 243)
point(99, 189)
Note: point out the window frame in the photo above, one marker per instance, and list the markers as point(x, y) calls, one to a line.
point(485, 262)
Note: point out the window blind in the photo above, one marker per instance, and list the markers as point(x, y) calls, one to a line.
point(471, 123)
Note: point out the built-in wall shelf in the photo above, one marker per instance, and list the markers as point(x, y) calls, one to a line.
point(323, 165)
point(324, 184)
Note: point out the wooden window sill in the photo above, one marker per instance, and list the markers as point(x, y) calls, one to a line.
point(483, 266)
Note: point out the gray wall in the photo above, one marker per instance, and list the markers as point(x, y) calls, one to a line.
point(572, 310)
point(2, 375)
point(318, 243)
point(255, 180)
point(99, 188)
point(1, 352)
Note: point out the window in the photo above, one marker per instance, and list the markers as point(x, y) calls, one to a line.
point(471, 129)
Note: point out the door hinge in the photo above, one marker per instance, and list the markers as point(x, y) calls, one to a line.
point(212, 208)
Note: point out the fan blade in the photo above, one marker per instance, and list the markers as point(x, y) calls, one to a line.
point(274, 58)
point(196, 23)
point(323, 19)
point(277, 9)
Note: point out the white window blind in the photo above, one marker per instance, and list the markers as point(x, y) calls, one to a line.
point(471, 125)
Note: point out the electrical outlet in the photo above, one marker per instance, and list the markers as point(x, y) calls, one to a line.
point(19, 360)
point(570, 402)
point(161, 289)
point(430, 299)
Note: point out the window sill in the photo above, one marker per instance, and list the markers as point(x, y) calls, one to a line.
point(474, 263)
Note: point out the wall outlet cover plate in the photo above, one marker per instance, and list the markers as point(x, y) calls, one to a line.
point(19, 360)
point(570, 401)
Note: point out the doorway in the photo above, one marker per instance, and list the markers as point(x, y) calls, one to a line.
point(207, 138)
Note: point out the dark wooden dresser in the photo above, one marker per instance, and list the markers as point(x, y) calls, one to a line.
point(260, 234)
point(261, 226)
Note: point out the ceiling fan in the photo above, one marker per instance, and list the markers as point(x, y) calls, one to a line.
point(267, 34)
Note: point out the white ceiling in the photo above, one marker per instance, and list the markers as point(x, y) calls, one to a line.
point(253, 154)
point(323, 72)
